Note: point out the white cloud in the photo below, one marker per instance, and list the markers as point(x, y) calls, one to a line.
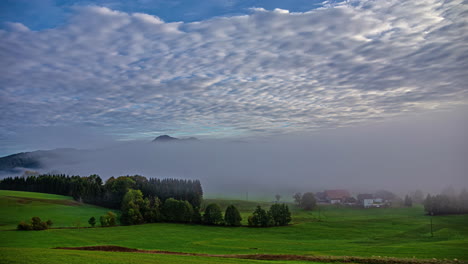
point(267, 72)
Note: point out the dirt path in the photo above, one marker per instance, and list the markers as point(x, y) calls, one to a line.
point(327, 259)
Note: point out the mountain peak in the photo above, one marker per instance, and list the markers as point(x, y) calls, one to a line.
point(164, 138)
point(167, 138)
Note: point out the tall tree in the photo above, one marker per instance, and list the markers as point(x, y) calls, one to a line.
point(132, 204)
point(232, 216)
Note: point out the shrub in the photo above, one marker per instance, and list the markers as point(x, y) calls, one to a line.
point(177, 211)
point(213, 215)
point(92, 221)
point(34, 224)
point(260, 218)
point(232, 216)
point(112, 218)
point(103, 220)
point(108, 219)
point(24, 226)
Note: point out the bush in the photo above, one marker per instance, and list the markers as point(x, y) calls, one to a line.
point(34, 224)
point(280, 214)
point(213, 215)
point(24, 226)
point(260, 218)
point(232, 216)
point(108, 219)
point(92, 221)
point(112, 218)
point(103, 220)
point(177, 211)
point(151, 210)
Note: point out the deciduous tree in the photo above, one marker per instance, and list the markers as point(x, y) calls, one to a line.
point(232, 216)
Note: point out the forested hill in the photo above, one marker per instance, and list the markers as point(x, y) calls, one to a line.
point(91, 189)
point(20, 160)
point(31, 160)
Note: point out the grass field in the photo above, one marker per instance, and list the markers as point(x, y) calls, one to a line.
point(396, 232)
point(62, 210)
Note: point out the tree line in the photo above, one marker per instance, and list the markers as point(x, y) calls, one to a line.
point(93, 190)
point(137, 209)
point(443, 204)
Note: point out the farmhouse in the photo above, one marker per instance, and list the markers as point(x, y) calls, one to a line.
point(336, 196)
point(367, 200)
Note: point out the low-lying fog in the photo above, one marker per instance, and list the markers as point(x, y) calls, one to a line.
point(428, 152)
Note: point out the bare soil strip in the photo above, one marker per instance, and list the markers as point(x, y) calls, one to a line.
point(327, 259)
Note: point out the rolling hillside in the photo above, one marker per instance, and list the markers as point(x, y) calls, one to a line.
point(394, 232)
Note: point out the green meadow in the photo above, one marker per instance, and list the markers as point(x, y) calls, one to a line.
point(334, 231)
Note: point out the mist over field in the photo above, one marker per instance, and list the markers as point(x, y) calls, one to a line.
point(427, 152)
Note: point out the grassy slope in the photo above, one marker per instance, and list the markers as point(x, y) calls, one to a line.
point(62, 210)
point(398, 232)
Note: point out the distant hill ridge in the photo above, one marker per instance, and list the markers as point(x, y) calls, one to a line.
point(15, 163)
point(30, 160)
point(167, 138)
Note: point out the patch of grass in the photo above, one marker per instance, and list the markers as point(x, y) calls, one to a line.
point(53, 256)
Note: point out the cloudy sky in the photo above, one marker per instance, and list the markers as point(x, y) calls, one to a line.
point(76, 73)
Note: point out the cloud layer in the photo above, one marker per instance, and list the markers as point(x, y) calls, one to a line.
point(131, 75)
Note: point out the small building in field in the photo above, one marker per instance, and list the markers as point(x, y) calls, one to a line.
point(336, 196)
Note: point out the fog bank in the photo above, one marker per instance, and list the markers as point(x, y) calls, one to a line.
point(428, 152)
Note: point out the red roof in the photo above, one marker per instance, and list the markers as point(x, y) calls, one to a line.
point(337, 194)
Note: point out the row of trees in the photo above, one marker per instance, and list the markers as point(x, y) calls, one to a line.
point(92, 190)
point(137, 209)
point(443, 204)
point(213, 216)
point(277, 215)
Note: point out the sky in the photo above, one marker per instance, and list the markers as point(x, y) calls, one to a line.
point(298, 94)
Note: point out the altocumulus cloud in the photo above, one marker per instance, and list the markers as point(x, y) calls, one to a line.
point(263, 73)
